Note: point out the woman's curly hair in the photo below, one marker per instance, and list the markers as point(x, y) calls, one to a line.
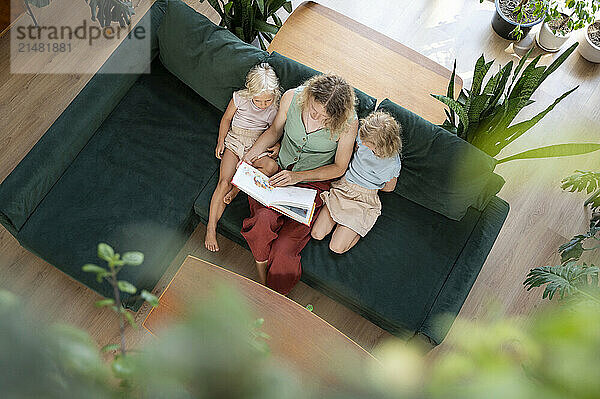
point(336, 95)
point(383, 132)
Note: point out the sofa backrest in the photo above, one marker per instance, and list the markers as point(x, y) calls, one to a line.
point(441, 171)
point(214, 62)
point(208, 58)
point(292, 74)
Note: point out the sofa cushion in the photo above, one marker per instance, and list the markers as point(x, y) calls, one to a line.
point(292, 74)
point(440, 171)
point(133, 185)
point(398, 275)
point(206, 57)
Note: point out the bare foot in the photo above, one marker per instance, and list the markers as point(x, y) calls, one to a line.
point(210, 240)
point(261, 268)
point(231, 195)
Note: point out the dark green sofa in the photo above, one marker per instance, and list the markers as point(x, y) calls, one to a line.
point(131, 162)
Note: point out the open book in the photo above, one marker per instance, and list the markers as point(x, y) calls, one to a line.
point(296, 202)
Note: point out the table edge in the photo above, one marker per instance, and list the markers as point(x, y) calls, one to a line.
point(369, 354)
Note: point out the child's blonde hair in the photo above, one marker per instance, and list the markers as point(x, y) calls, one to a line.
point(336, 95)
point(261, 79)
point(383, 132)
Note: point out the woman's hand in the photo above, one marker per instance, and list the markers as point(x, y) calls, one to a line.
point(220, 149)
point(274, 150)
point(251, 155)
point(284, 178)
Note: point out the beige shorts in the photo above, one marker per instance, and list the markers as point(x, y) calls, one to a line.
point(352, 206)
point(239, 140)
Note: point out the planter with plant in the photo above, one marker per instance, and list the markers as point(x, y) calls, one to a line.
point(562, 18)
point(483, 115)
point(116, 262)
point(251, 19)
point(574, 278)
point(104, 11)
point(590, 45)
point(513, 19)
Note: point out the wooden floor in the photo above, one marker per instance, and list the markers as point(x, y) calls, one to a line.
point(541, 216)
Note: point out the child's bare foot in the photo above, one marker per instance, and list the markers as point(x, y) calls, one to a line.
point(210, 240)
point(231, 195)
point(261, 268)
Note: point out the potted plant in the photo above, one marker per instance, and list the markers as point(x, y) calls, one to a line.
point(484, 115)
point(513, 19)
point(562, 18)
point(247, 19)
point(574, 277)
point(590, 45)
point(105, 12)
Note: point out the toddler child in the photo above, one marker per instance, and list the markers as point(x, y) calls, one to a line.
point(249, 113)
point(352, 202)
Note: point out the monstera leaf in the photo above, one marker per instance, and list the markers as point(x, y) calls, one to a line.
point(565, 280)
point(585, 181)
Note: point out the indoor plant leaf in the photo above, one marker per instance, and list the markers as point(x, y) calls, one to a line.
point(91, 268)
point(133, 258)
point(515, 131)
point(556, 150)
point(262, 26)
point(105, 252)
point(456, 107)
point(148, 297)
point(126, 286)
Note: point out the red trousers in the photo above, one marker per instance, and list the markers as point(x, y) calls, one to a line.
point(278, 239)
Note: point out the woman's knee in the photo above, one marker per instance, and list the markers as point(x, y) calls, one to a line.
point(267, 165)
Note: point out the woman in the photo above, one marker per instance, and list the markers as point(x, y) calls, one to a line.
point(319, 126)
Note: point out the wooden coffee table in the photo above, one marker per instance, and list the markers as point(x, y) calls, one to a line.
point(308, 343)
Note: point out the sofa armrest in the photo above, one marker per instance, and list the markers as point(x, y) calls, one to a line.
point(29, 182)
point(461, 278)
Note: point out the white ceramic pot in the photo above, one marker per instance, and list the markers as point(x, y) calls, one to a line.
point(587, 49)
point(550, 41)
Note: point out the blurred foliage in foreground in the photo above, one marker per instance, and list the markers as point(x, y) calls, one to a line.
point(218, 353)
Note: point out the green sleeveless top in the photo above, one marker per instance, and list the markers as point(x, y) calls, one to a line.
point(304, 151)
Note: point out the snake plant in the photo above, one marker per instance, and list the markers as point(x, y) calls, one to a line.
point(247, 19)
point(484, 114)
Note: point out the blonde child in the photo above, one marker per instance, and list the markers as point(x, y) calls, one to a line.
point(352, 203)
point(249, 113)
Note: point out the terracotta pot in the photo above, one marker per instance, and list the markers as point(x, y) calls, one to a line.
point(587, 49)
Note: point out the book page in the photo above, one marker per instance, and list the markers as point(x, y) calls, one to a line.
point(253, 182)
point(294, 196)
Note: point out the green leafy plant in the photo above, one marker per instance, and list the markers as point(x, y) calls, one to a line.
point(483, 114)
point(249, 19)
point(572, 278)
point(585, 181)
point(563, 16)
point(211, 355)
point(116, 262)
